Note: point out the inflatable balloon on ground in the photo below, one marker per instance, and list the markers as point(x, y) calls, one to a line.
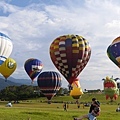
point(6, 47)
point(8, 67)
point(113, 51)
point(33, 67)
point(110, 88)
point(70, 54)
point(49, 83)
point(76, 91)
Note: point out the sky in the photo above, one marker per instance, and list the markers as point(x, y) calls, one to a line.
point(32, 25)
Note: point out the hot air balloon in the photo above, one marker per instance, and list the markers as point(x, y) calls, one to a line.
point(49, 83)
point(76, 91)
point(33, 67)
point(113, 51)
point(110, 88)
point(70, 54)
point(8, 67)
point(6, 47)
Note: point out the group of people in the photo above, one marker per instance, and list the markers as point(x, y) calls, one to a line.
point(94, 111)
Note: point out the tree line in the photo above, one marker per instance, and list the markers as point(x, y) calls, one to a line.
point(25, 92)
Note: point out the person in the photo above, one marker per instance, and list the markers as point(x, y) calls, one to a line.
point(94, 111)
point(65, 106)
point(78, 105)
point(9, 104)
point(83, 106)
point(118, 109)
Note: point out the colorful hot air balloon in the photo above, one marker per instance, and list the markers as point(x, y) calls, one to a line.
point(33, 67)
point(70, 54)
point(76, 91)
point(113, 51)
point(8, 67)
point(110, 88)
point(6, 47)
point(49, 83)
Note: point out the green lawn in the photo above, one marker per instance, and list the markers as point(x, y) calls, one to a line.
point(38, 110)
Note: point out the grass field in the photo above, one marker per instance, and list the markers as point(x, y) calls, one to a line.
point(37, 109)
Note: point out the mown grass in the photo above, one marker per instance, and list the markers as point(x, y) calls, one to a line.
point(37, 109)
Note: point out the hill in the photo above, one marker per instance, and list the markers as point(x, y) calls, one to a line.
point(17, 82)
point(4, 84)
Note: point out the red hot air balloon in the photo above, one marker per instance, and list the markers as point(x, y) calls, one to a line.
point(49, 83)
point(33, 67)
point(70, 54)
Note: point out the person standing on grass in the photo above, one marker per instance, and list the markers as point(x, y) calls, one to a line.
point(65, 106)
point(78, 105)
point(94, 111)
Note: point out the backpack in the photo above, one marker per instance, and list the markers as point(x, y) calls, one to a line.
point(97, 110)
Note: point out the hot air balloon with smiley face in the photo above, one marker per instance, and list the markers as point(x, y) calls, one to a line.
point(8, 67)
point(70, 54)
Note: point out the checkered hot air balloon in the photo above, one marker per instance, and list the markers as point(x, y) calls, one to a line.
point(113, 51)
point(33, 67)
point(70, 54)
point(49, 83)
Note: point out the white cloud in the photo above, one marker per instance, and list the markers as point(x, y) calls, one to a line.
point(34, 27)
point(8, 8)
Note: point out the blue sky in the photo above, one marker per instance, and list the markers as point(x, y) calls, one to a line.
point(34, 24)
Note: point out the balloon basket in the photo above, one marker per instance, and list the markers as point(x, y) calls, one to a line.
point(49, 102)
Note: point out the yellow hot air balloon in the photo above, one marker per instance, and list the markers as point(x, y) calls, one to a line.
point(8, 67)
point(76, 91)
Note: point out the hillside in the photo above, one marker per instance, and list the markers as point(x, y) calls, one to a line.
point(4, 84)
point(12, 81)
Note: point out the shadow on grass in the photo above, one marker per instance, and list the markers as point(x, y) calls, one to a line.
point(36, 113)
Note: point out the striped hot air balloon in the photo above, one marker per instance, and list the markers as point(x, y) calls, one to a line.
point(70, 54)
point(49, 83)
point(6, 47)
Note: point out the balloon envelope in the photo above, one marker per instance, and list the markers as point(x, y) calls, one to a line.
point(113, 51)
point(49, 83)
point(33, 67)
point(8, 67)
point(76, 91)
point(110, 88)
point(6, 47)
point(70, 54)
